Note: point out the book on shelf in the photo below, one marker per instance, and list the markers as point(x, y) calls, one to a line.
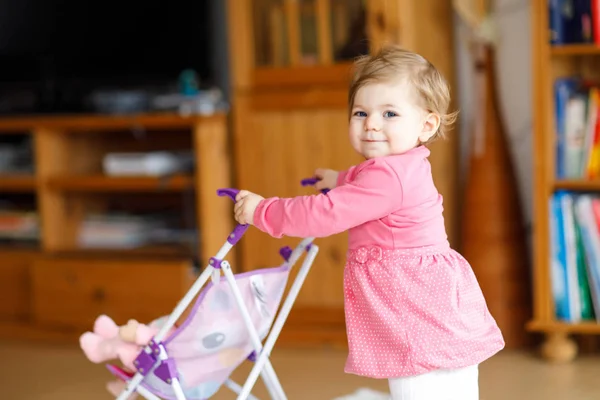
point(19, 225)
point(574, 21)
point(577, 104)
point(575, 256)
point(129, 231)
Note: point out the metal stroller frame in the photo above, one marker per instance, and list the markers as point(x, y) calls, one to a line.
point(154, 359)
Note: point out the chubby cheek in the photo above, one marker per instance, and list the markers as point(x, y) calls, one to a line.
point(354, 137)
point(397, 141)
point(402, 136)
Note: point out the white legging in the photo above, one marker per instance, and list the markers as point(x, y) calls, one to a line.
point(456, 384)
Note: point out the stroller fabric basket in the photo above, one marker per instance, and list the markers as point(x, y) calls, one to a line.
point(214, 341)
point(230, 318)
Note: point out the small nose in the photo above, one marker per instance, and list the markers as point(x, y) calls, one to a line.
point(372, 123)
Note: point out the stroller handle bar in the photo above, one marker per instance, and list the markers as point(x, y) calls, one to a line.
point(228, 192)
point(304, 182)
point(232, 193)
point(240, 229)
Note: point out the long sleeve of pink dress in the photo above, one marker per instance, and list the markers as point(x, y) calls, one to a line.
point(375, 192)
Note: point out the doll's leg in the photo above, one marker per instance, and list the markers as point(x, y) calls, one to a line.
point(457, 384)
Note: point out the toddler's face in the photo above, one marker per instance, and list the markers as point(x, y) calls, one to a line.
point(386, 119)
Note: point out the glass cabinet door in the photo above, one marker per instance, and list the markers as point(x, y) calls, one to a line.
point(348, 29)
point(289, 33)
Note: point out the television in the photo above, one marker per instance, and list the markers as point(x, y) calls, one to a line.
point(55, 53)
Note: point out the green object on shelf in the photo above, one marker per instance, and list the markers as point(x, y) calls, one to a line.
point(188, 82)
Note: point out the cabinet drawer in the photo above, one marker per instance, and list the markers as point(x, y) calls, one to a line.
point(73, 292)
point(15, 285)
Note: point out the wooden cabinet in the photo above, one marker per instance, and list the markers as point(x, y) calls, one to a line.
point(15, 284)
point(70, 292)
point(291, 65)
point(551, 65)
point(57, 285)
point(307, 32)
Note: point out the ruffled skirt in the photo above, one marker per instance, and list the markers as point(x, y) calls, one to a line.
point(412, 311)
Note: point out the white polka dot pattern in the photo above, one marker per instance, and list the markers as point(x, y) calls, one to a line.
point(412, 311)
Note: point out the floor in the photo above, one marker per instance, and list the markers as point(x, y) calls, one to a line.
point(41, 372)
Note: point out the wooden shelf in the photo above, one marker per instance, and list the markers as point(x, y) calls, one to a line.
point(578, 185)
point(102, 183)
point(574, 49)
point(156, 251)
point(18, 250)
point(17, 183)
point(69, 185)
point(300, 76)
point(588, 327)
point(98, 122)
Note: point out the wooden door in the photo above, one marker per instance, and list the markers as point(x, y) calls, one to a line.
point(291, 62)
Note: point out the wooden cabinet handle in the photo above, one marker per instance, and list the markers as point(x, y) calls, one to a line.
point(98, 295)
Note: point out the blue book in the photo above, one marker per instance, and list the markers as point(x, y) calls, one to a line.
point(558, 257)
point(570, 21)
point(555, 23)
point(564, 88)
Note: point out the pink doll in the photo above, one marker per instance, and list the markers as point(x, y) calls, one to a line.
point(108, 341)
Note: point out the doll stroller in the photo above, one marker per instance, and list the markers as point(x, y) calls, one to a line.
point(230, 318)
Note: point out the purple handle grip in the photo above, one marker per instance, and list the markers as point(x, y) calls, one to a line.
point(228, 192)
point(311, 182)
point(240, 229)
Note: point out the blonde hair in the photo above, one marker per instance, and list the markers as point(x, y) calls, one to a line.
point(393, 63)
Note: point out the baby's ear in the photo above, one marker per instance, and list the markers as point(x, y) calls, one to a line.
point(431, 125)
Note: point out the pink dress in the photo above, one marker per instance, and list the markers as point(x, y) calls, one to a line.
point(412, 304)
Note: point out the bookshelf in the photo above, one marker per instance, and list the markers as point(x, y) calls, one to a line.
point(560, 319)
point(574, 50)
point(54, 284)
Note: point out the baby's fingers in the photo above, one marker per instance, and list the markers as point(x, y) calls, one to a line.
point(320, 185)
point(320, 172)
point(241, 194)
point(238, 205)
point(238, 214)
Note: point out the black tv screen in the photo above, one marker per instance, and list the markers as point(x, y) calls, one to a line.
point(74, 46)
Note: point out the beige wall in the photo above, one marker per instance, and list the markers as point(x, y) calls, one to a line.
point(514, 85)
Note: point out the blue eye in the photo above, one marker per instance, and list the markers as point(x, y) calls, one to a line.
point(360, 114)
point(389, 114)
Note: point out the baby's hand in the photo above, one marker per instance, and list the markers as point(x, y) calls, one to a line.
point(328, 178)
point(245, 205)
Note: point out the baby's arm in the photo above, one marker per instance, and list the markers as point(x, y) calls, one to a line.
point(375, 192)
